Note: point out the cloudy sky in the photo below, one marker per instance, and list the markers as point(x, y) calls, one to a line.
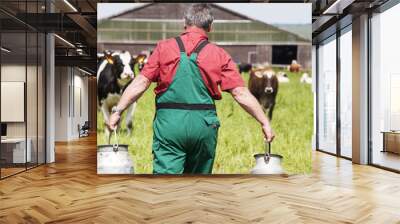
point(284, 13)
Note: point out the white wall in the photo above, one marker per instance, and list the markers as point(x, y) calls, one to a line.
point(69, 82)
point(80, 84)
point(33, 125)
point(61, 103)
point(11, 73)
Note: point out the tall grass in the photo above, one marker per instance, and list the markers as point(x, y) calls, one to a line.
point(240, 136)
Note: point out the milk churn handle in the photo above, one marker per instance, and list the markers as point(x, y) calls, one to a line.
point(267, 155)
point(115, 145)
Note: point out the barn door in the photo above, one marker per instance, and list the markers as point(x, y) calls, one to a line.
point(252, 57)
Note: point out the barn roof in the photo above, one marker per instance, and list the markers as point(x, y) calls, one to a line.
point(154, 21)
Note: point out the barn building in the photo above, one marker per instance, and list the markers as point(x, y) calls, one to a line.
point(244, 38)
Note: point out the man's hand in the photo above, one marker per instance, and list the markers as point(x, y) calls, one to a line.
point(130, 95)
point(250, 104)
point(113, 121)
point(268, 133)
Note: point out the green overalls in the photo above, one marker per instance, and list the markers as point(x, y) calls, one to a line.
point(186, 123)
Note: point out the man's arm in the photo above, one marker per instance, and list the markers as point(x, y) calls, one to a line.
point(250, 104)
point(132, 93)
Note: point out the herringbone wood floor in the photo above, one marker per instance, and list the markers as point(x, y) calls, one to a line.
point(69, 191)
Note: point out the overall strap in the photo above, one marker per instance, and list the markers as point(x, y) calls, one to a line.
point(180, 44)
point(200, 47)
point(182, 47)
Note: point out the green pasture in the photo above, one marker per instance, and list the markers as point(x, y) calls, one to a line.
point(240, 136)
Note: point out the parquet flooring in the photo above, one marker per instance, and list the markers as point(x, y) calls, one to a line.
point(10, 171)
point(69, 191)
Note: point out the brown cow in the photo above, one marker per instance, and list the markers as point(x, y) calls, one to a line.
point(263, 84)
point(294, 67)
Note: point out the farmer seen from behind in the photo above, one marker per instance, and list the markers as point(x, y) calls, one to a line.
point(190, 72)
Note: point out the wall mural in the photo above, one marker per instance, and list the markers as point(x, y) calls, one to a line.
point(175, 106)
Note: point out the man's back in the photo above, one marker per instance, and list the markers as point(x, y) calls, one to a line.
point(216, 66)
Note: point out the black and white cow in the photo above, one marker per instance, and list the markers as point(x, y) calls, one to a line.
point(115, 72)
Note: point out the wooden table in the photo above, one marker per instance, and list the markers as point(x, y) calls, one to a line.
point(391, 141)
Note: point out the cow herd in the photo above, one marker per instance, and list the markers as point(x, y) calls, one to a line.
point(117, 69)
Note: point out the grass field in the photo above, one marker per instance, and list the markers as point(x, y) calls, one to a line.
point(240, 136)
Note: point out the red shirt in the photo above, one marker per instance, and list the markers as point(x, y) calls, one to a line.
point(216, 66)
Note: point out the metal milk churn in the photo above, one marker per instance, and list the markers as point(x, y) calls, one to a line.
point(267, 163)
point(114, 159)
